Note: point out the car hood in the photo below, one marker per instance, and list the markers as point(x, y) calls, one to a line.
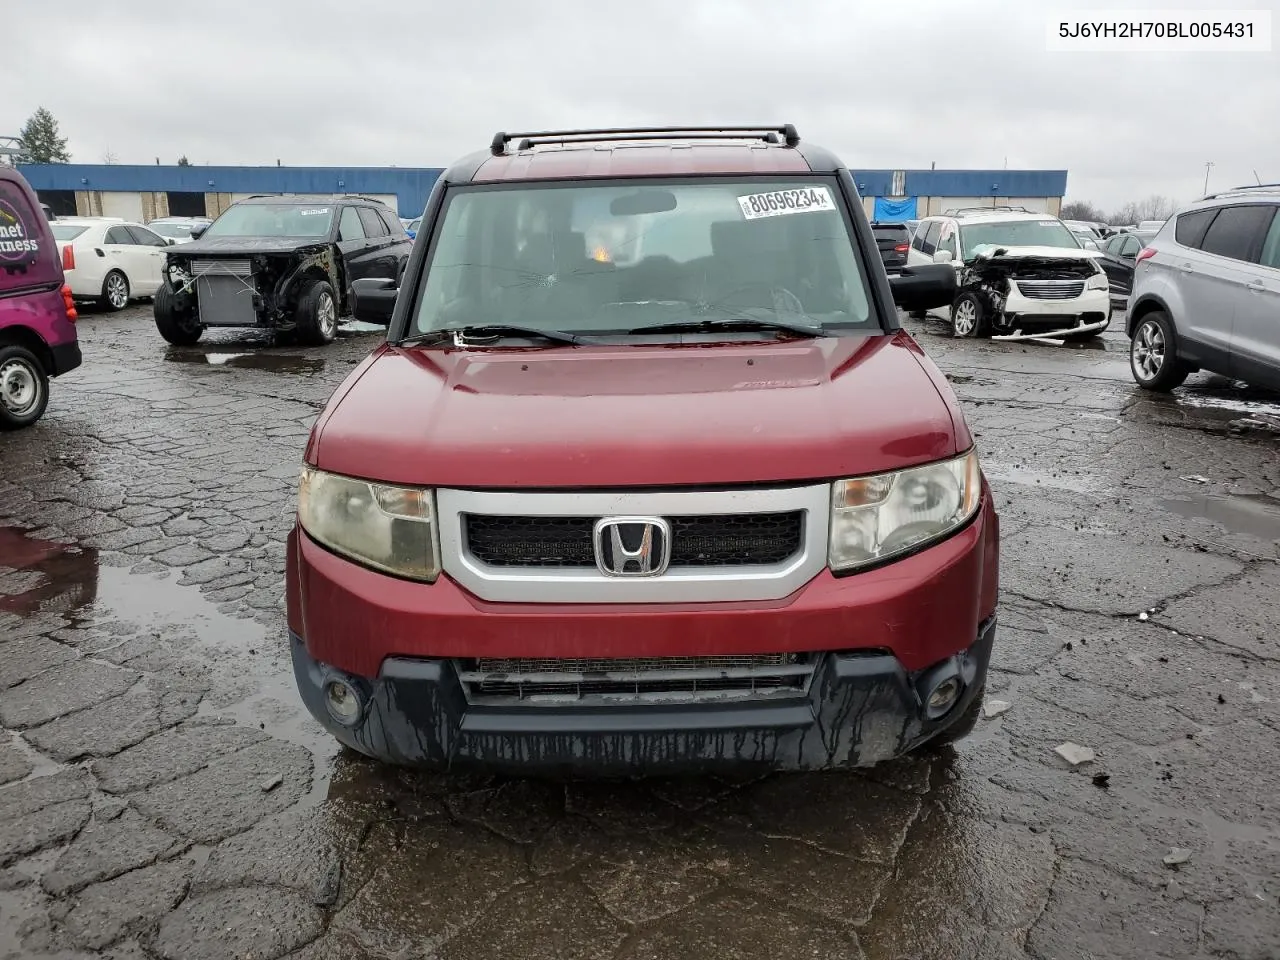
point(227, 246)
point(997, 252)
point(640, 415)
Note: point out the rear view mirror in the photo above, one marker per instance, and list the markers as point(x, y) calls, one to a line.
point(924, 287)
point(373, 299)
point(643, 201)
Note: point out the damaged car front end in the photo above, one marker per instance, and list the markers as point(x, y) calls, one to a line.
point(1023, 293)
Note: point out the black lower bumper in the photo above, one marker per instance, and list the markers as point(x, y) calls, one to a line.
point(66, 357)
point(859, 710)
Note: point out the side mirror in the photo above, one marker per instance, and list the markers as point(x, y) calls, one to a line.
point(198, 229)
point(170, 242)
point(942, 256)
point(924, 287)
point(373, 299)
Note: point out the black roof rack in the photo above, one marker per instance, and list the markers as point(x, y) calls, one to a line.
point(954, 210)
point(763, 132)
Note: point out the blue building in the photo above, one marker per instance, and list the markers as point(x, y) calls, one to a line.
point(142, 193)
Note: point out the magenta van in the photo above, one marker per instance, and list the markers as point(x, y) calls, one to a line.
point(37, 318)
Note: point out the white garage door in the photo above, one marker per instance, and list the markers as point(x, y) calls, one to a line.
point(126, 206)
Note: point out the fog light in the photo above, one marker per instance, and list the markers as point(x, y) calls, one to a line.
point(343, 702)
point(943, 697)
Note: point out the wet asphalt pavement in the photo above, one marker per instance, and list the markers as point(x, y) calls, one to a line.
point(164, 794)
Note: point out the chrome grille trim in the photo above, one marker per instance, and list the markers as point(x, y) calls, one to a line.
point(678, 584)
point(1051, 289)
point(666, 680)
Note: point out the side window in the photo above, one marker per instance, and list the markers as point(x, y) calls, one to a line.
point(1190, 228)
point(120, 235)
point(394, 226)
point(146, 237)
point(917, 238)
point(931, 238)
point(1130, 247)
point(1271, 246)
point(1116, 244)
point(373, 225)
point(948, 243)
point(349, 227)
point(1237, 231)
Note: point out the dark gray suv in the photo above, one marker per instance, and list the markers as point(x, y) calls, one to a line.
point(1206, 293)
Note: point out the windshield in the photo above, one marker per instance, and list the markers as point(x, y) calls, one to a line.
point(1016, 233)
point(272, 220)
point(607, 259)
point(67, 231)
point(179, 231)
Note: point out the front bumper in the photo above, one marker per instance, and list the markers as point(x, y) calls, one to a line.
point(860, 709)
point(1030, 318)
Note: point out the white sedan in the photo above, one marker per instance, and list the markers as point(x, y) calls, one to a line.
point(109, 261)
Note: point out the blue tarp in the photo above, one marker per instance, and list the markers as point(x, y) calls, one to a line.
point(889, 210)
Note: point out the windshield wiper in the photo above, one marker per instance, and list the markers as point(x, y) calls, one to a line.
point(735, 324)
point(486, 331)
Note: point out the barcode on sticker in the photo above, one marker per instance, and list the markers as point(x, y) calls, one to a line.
point(781, 202)
point(312, 213)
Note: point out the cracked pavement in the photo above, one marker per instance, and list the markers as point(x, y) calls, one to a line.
point(164, 795)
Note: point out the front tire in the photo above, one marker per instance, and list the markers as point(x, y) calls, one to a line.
point(969, 318)
point(1153, 354)
point(24, 388)
point(115, 291)
point(317, 315)
point(181, 328)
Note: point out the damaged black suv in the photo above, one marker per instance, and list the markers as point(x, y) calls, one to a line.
point(280, 263)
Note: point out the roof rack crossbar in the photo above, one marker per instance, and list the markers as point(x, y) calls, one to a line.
point(768, 133)
point(955, 210)
point(1247, 188)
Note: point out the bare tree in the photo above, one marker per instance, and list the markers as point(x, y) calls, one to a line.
point(110, 158)
point(1154, 207)
point(1082, 210)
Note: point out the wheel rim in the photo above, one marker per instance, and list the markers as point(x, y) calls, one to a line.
point(326, 315)
point(117, 291)
point(966, 317)
point(1148, 350)
point(19, 388)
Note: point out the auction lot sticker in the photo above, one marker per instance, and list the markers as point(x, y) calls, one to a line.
point(779, 203)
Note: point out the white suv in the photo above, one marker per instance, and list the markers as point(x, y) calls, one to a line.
point(1021, 275)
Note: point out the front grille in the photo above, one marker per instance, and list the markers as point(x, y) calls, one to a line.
point(589, 680)
point(1051, 289)
point(717, 540)
point(221, 268)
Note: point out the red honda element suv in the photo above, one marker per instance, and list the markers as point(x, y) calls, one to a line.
point(646, 476)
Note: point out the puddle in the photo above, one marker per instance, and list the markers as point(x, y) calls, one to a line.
point(258, 360)
point(246, 664)
point(59, 577)
point(1250, 515)
point(1028, 477)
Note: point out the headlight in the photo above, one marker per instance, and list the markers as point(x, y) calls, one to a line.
point(1098, 281)
point(876, 518)
point(391, 529)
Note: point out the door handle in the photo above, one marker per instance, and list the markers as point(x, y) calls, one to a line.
point(1257, 286)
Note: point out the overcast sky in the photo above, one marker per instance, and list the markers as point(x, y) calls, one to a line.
point(901, 84)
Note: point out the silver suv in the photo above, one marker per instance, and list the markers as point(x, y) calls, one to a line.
point(1206, 293)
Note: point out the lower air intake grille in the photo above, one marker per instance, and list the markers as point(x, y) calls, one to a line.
point(635, 680)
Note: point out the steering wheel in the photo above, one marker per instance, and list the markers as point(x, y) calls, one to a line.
point(781, 300)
